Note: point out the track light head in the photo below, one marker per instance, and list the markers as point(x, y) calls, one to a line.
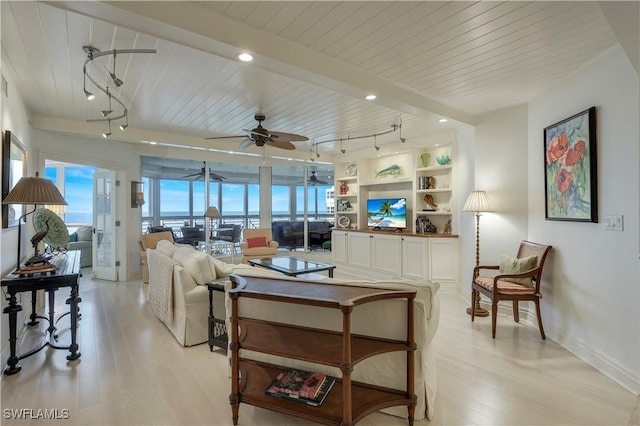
point(377, 148)
point(403, 140)
point(90, 96)
point(343, 151)
point(106, 134)
point(116, 80)
point(105, 113)
point(123, 127)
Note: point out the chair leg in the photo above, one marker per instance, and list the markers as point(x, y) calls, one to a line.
point(540, 319)
point(474, 294)
point(494, 317)
point(516, 311)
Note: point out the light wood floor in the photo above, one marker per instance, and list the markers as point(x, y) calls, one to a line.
point(133, 372)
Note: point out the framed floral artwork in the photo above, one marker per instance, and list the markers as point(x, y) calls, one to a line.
point(570, 169)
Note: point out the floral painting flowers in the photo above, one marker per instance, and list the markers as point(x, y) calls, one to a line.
point(570, 168)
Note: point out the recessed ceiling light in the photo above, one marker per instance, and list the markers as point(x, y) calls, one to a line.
point(153, 143)
point(245, 57)
point(442, 120)
point(370, 97)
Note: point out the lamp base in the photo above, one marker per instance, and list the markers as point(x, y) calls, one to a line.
point(36, 259)
point(479, 311)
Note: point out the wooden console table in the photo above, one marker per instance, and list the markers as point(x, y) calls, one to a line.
point(348, 401)
point(66, 274)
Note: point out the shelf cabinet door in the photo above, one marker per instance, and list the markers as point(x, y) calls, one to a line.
point(443, 259)
point(415, 258)
point(359, 249)
point(339, 246)
point(386, 253)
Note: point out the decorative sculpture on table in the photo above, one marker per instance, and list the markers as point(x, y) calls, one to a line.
point(447, 227)
point(393, 170)
point(431, 205)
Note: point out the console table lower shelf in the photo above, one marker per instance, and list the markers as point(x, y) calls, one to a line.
point(255, 377)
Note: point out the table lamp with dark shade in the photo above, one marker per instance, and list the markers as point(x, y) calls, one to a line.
point(36, 191)
point(212, 213)
point(478, 202)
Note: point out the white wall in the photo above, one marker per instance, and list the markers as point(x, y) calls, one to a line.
point(14, 118)
point(591, 292)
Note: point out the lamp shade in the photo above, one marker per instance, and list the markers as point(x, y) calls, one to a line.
point(212, 212)
point(478, 202)
point(34, 190)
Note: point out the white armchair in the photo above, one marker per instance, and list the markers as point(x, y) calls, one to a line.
point(258, 243)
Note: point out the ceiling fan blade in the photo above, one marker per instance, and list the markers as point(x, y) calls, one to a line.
point(227, 137)
point(245, 144)
point(287, 137)
point(280, 144)
point(191, 175)
point(216, 177)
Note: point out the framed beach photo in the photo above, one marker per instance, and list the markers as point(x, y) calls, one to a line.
point(570, 169)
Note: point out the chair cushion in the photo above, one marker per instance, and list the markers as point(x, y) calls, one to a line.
point(257, 242)
point(84, 233)
point(510, 265)
point(196, 263)
point(506, 287)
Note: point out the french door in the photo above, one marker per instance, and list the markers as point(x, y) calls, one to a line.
point(104, 225)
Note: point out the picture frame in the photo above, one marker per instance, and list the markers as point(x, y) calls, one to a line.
point(570, 169)
point(14, 167)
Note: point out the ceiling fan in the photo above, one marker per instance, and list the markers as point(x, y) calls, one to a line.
point(261, 136)
point(313, 180)
point(214, 177)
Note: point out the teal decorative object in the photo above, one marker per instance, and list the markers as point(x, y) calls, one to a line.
point(443, 160)
point(57, 234)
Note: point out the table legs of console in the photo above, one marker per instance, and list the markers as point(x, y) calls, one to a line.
point(73, 301)
point(12, 309)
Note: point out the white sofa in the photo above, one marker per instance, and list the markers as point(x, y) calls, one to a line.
point(386, 318)
point(177, 291)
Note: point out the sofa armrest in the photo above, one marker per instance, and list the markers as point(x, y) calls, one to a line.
point(244, 245)
point(274, 244)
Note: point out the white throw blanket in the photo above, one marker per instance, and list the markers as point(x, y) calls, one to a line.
point(161, 285)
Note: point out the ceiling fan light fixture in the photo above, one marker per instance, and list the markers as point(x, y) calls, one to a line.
point(245, 57)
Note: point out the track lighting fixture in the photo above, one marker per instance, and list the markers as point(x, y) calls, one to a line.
point(126, 124)
point(394, 127)
point(115, 79)
point(107, 134)
point(108, 111)
point(107, 114)
point(90, 96)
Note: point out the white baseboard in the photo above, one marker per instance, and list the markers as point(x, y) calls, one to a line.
point(598, 360)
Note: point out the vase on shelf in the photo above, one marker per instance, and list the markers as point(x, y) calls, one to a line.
point(425, 158)
point(344, 188)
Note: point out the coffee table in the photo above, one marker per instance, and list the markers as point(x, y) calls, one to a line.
point(292, 266)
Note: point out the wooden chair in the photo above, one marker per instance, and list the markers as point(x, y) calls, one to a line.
point(149, 241)
point(502, 287)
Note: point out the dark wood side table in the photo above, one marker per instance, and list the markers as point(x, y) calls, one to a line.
point(217, 327)
point(66, 275)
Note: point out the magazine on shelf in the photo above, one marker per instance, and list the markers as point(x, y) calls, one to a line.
point(301, 386)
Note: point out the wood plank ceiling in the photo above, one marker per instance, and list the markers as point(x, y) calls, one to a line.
point(314, 63)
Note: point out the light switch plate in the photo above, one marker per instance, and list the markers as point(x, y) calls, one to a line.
point(613, 222)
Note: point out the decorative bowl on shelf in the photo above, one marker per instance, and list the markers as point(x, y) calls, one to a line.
point(443, 160)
